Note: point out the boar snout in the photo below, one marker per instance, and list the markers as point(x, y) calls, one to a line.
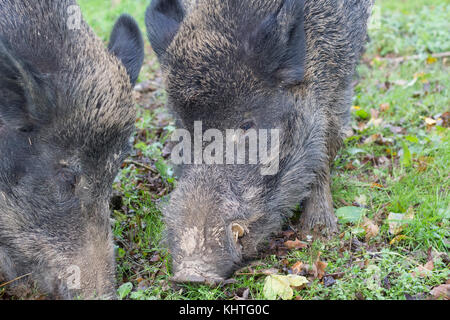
point(197, 271)
point(194, 276)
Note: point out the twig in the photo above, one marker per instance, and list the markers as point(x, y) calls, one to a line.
point(141, 165)
point(416, 57)
point(14, 280)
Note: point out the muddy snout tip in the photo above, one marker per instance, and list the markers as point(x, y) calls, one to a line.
point(194, 278)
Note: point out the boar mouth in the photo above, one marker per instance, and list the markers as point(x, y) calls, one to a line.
point(193, 276)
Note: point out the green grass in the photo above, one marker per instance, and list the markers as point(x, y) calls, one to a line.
point(102, 14)
point(402, 172)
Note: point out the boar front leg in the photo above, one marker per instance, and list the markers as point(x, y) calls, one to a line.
point(318, 216)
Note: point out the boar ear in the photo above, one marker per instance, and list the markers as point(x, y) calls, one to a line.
point(163, 19)
point(24, 95)
point(276, 48)
point(126, 43)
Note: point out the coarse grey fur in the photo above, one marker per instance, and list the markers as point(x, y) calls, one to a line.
point(285, 64)
point(66, 116)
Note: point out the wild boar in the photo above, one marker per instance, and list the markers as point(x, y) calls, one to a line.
point(66, 117)
point(245, 67)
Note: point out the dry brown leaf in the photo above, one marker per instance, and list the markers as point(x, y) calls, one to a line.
point(349, 166)
point(441, 292)
point(319, 268)
point(376, 185)
point(297, 267)
point(445, 119)
point(371, 229)
point(425, 270)
point(285, 262)
point(375, 119)
point(297, 244)
point(384, 107)
point(373, 138)
point(319, 271)
point(374, 113)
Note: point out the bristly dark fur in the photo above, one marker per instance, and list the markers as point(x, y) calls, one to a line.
point(66, 115)
point(283, 64)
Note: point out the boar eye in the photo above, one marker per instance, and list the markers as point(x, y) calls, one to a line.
point(247, 125)
point(68, 177)
point(26, 129)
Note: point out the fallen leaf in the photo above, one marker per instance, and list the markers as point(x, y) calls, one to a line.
point(371, 229)
point(375, 118)
point(297, 267)
point(374, 281)
point(319, 268)
point(297, 281)
point(424, 271)
point(285, 262)
point(374, 113)
point(350, 214)
point(373, 138)
point(349, 166)
point(409, 214)
point(384, 107)
point(281, 286)
point(362, 114)
point(297, 244)
point(441, 292)
point(361, 199)
point(430, 121)
point(445, 119)
point(375, 122)
point(429, 265)
point(397, 221)
point(397, 239)
point(124, 290)
point(155, 258)
point(431, 60)
point(396, 129)
point(139, 280)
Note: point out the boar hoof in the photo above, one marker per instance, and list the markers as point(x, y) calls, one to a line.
point(318, 221)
